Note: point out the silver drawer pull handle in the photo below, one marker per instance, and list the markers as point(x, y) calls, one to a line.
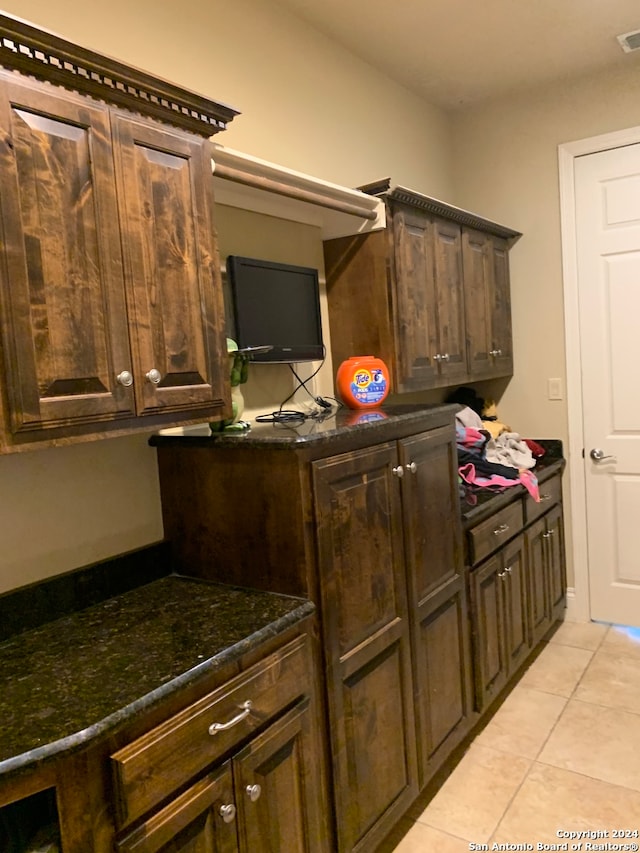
point(502, 529)
point(214, 728)
point(253, 792)
point(228, 813)
point(545, 497)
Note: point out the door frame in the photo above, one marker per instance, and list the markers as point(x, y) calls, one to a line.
point(578, 599)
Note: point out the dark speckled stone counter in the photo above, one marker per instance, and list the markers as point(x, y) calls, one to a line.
point(314, 434)
point(78, 678)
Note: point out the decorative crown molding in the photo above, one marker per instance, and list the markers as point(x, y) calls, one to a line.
point(49, 57)
point(382, 189)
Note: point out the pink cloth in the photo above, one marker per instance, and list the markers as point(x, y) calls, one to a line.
point(526, 479)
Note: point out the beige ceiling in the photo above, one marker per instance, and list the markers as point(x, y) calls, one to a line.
point(458, 52)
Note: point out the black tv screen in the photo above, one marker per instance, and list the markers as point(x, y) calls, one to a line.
point(276, 305)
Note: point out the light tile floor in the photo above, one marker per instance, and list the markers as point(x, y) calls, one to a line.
point(561, 755)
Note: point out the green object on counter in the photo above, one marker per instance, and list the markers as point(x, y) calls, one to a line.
point(239, 373)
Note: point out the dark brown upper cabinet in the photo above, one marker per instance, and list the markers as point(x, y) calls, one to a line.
point(429, 294)
point(111, 314)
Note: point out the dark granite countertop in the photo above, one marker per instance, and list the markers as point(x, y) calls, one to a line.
point(70, 681)
point(311, 432)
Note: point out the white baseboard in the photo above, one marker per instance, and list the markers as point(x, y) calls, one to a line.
point(572, 614)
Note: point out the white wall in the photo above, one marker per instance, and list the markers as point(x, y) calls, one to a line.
point(306, 104)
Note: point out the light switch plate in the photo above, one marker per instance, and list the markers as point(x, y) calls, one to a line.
point(554, 387)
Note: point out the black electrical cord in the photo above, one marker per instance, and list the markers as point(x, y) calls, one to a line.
point(288, 416)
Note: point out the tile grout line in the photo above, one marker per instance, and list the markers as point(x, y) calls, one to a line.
point(534, 760)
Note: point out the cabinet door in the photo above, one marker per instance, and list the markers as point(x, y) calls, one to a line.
point(192, 823)
point(278, 791)
point(431, 511)
point(366, 641)
point(538, 577)
point(487, 597)
point(501, 343)
point(476, 260)
point(172, 270)
point(415, 300)
point(63, 317)
point(447, 253)
point(514, 578)
point(487, 302)
point(554, 536)
point(437, 595)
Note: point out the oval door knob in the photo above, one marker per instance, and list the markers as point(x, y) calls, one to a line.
point(228, 813)
point(125, 378)
point(253, 792)
point(154, 376)
point(598, 455)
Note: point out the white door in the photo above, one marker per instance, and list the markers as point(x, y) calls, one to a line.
point(607, 186)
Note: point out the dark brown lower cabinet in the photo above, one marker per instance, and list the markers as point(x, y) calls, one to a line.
point(500, 618)
point(366, 522)
point(518, 592)
point(240, 770)
point(556, 561)
point(366, 640)
point(547, 570)
point(438, 611)
point(257, 801)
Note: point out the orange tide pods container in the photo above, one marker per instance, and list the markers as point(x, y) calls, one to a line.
point(362, 381)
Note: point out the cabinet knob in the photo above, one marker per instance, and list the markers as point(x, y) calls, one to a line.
point(411, 467)
point(441, 357)
point(214, 728)
point(125, 378)
point(545, 497)
point(154, 376)
point(508, 569)
point(502, 575)
point(398, 471)
point(253, 792)
point(445, 356)
point(228, 813)
point(548, 534)
point(494, 353)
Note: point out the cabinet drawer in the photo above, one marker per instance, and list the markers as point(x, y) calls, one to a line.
point(550, 494)
point(484, 538)
point(158, 763)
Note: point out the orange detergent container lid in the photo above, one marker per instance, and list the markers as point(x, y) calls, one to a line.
point(362, 381)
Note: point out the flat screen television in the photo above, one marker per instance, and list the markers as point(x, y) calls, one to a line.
point(276, 305)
